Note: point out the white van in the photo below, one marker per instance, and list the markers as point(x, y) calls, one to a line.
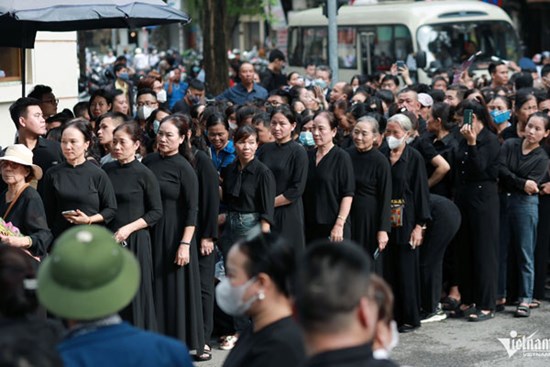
point(425, 35)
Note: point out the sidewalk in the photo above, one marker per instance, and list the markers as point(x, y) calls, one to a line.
point(457, 343)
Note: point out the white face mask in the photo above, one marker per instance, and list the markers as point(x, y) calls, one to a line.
point(230, 298)
point(161, 96)
point(393, 142)
point(156, 126)
point(144, 112)
point(410, 140)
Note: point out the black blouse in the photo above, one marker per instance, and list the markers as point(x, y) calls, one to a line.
point(357, 356)
point(85, 187)
point(279, 344)
point(29, 216)
point(137, 193)
point(516, 168)
point(373, 178)
point(288, 162)
point(410, 183)
point(327, 184)
point(249, 190)
point(178, 183)
point(477, 163)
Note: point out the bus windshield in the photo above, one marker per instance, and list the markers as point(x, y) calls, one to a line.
point(451, 44)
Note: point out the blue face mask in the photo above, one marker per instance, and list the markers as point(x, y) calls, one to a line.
point(500, 117)
point(156, 125)
point(124, 76)
point(306, 139)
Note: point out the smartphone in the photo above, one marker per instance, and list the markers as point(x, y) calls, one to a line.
point(69, 212)
point(468, 113)
point(400, 64)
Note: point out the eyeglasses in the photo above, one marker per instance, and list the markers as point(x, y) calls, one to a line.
point(51, 101)
point(147, 103)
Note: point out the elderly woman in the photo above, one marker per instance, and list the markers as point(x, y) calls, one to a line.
point(259, 271)
point(409, 212)
point(21, 205)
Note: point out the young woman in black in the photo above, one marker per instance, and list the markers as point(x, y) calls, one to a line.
point(288, 161)
point(523, 163)
point(330, 184)
point(248, 190)
point(79, 192)
point(177, 280)
point(477, 168)
point(139, 208)
point(409, 213)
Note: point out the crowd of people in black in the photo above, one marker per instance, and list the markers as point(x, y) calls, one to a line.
point(442, 186)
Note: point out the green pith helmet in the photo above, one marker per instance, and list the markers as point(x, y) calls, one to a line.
point(88, 275)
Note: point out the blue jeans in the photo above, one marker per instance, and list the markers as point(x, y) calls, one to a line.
point(523, 217)
point(237, 226)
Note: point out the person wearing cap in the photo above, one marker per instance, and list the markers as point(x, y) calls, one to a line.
point(426, 102)
point(272, 77)
point(21, 204)
point(86, 281)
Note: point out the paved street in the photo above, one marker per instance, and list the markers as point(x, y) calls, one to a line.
point(461, 343)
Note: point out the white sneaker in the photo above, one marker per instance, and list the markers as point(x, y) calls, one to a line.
point(438, 315)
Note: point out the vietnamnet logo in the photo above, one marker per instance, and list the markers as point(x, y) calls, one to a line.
point(528, 345)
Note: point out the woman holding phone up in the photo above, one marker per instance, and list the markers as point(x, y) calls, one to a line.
point(477, 166)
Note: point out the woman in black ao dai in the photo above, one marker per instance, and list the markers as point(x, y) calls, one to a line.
point(370, 211)
point(78, 191)
point(177, 281)
point(139, 208)
point(288, 161)
point(330, 184)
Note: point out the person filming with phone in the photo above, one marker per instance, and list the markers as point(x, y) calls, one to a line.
point(477, 167)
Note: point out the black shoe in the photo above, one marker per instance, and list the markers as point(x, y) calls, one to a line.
point(406, 328)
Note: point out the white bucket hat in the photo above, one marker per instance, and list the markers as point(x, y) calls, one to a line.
point(20, 154)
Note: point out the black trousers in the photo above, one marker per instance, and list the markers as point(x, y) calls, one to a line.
point(401, 272)
point(541, 249)
point(441, 230)
point(478, 241)
point(206, 270)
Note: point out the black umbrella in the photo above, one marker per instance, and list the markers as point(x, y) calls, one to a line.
point(21, 19)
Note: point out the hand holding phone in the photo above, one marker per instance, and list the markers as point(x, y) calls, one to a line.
point(468, 116)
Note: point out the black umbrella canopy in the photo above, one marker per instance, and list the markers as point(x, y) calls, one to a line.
point(21, 19)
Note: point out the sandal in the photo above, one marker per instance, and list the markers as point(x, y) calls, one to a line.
point(479, 316)
point(522, 310)
point(500, 305)
point(205, 356)
point(459, 313)
point(535, 303)
point(202, 357)
point(228, 342)
point(449, 303)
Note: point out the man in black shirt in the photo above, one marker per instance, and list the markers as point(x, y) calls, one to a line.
point(193, 96)
point(28, 118)
point(273, 78)
point(336, 307)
